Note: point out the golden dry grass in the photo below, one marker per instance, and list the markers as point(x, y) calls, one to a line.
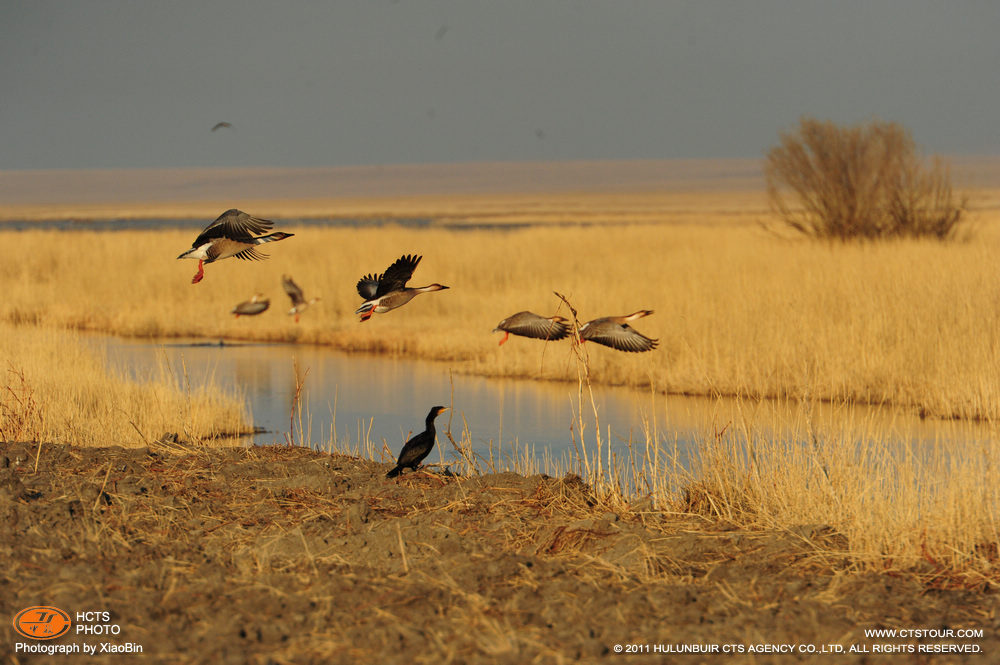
point(57, 388)
point(738, 310)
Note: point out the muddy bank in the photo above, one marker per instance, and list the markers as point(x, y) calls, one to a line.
point(288, 555)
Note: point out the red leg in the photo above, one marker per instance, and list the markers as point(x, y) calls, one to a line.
point(296, 318)
point(201, 272)
point(505, 336)
point(366, 316)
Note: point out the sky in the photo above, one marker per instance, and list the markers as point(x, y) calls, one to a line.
point(104, 84)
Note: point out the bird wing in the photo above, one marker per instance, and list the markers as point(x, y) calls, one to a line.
point(368, 286)
point(416, 449)
point(293, 291)
point(235, 225)
point(529, 324)
point(618, 336)
point(251, 307)
point(397, 275)
point(251, 254)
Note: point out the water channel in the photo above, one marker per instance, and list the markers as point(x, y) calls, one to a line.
point(345, 397)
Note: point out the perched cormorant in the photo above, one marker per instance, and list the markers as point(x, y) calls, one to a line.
point(417, 448)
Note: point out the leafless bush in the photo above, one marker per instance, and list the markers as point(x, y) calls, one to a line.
point(865, 181)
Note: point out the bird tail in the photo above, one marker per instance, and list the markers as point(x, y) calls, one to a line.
point(277, 235)
point(365, 307)
point(395, 472)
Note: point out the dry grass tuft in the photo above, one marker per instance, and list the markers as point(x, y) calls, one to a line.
point(57, 389)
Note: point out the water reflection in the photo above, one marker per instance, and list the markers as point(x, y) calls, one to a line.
point(389, 397)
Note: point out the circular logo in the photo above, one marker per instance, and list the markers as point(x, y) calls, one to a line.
point(42, 622)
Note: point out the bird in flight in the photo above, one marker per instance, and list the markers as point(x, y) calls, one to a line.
point(234, 233)
point(258, 304)
point(220, 125)
point(615, 332)
point(388, 291)
point(529, 324)
point(299, 302)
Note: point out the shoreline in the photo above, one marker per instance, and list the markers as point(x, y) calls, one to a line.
point(526, 567)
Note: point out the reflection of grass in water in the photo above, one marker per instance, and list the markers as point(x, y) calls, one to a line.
point(56, 389)
point(738, 312)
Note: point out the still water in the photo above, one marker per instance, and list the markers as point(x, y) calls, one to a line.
point(346, 395)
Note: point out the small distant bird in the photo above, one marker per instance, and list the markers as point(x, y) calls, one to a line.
point(416, 449)
point(220, 125)
point(614, 331)
point(232, 234)
point(388, 290)
point(529, 324)
point(258, 304)
point(299, 302)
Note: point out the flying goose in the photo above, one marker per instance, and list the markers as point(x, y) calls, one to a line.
point(299, 302)
point(614, 331)
point(234, 233)
point(388, 290)
point(256, 305)
point(416, 449)
point(529, 324)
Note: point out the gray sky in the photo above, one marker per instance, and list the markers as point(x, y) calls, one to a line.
point(101, 84)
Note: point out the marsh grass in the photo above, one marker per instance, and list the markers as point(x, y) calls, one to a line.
point(738, 311)
point(57, 388)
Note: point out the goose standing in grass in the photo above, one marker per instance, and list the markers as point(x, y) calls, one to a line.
point(529, 324)
point(234, 233)
point(416, 449)
point(614, 331)
point(256, 305)
point(299, 302)
point(388, 290)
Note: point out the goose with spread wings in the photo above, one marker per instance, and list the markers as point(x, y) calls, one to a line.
point(299, 302)
point(529, 324)
point(388, 291)
point(234, 233)
point(258, 304)
point(615, 332)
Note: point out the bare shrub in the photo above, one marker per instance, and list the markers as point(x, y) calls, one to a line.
point(865, 181)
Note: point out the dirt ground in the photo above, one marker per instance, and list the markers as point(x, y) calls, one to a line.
point(288, 555)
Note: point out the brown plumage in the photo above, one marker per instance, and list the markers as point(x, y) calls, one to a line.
point(299, 302)
point(234, 233)
point(256, 305)
point(388, 291)
point(529, 324)
point(614, 331)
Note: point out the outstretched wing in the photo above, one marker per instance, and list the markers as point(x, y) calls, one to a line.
point(396, 276)
point(235, 225)
point(368, 286)
point(529, 324)
point(619, 336)
point(293, 291)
